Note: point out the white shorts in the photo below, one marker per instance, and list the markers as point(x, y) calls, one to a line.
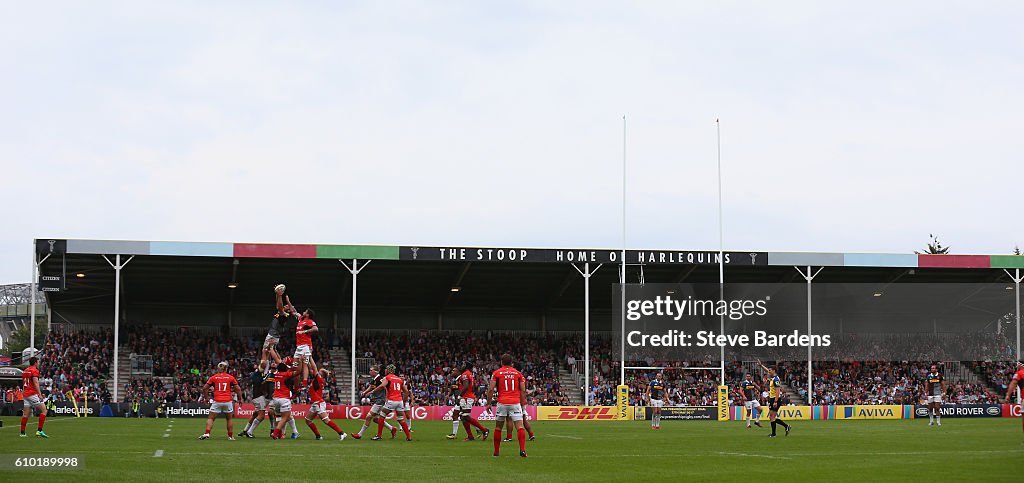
point(934, 399)
point(466, 403)
point(319, 408)
point(303, 353)
point(395, 406)
point(270, 341)
point(752, 404)
point(259, 403)
point(407, 407)
point(514, 411)
point(375, 409)
point(281, 405)
point(33, 401)
point(222, 408)
point(657, 403)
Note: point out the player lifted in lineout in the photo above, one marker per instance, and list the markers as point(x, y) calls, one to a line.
point(224, 385)
point(511, 398)
point(281, 316)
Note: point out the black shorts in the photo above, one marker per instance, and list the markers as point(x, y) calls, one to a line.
point(774, 403)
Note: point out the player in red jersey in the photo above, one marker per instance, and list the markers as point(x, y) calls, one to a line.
point(466, 401)
point(284, 382)
point(397, 393)
point(318, 406)
point(32, 396)
point(376, 392)
point(304, 344)
point(223, 385)
point(511, 399)
point(1015, 383)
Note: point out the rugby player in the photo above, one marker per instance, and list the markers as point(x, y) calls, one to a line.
point(511, 398)
point(397, 394)
point(466, 401)
point(223, 385)
point(456, 391)
point(656, 396)
point(269, 349)
point(262, 392)
point(281, 405)
point(318, 406)
point(934, 387)
point(304, 344)
point(377, 399)
point(1015, 383)
point(750, 390)
point(32, 397)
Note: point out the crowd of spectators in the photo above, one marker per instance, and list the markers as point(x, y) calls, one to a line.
point(864, 370)
point(185, 358)
point(77, 363)
point(431, 360)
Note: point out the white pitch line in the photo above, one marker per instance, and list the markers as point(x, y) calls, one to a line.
point(167, 435)
point(168, 430)
point(158, 453)
point(756, 456)
point(564, 436)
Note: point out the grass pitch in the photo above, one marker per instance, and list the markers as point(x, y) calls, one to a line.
point(167, 450)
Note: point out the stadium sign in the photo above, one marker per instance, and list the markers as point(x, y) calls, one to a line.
point(962, 411)
point(577, 413)
point(685, 413)
point(582, 255)
point(1011, 410)
point(880, 411)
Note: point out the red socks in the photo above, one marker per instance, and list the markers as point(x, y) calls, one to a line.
point(24, 422)
point(334, 427)
point(380, 426)
point(42, 419)
point(229, 434)
point(312, 427)
point(497, 441)
point(522, 439)
point(469, 429)
point(508, 432)
point(405, 428)
point(476, 423)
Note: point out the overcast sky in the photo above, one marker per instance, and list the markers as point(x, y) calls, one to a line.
point(846, 126)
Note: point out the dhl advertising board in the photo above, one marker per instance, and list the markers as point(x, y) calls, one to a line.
point(577, 413)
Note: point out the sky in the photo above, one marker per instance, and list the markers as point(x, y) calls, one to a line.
point(845, 126)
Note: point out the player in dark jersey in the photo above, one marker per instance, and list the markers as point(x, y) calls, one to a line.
point(751, 391)
point(656, 395)
point(277, 325)
point(934, 387)
point(455, 388)
point(262, 394)
point(377, 400)
point(774, 399)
